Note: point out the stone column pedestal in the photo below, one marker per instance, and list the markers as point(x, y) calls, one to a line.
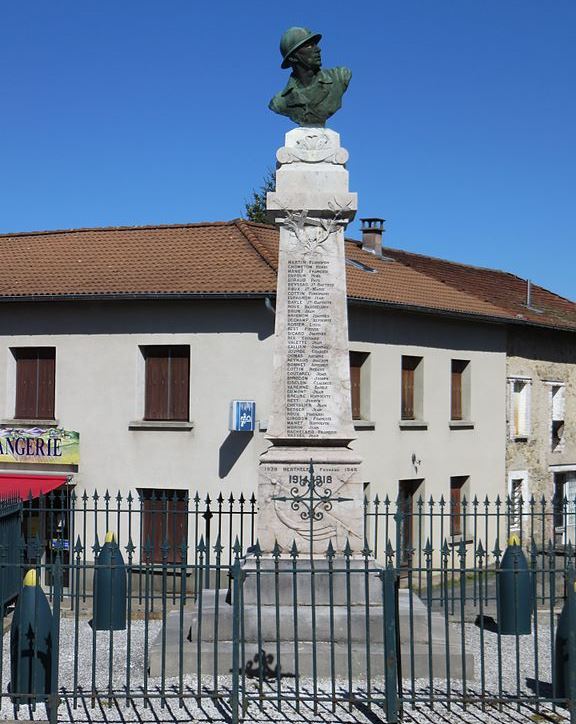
point(311, 417)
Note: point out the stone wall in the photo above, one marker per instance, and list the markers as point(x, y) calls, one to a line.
point(544, 357)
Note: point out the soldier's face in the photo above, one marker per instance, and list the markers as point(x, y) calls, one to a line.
point(309, 55)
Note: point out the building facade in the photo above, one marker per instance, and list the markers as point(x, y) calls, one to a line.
point(139, 339)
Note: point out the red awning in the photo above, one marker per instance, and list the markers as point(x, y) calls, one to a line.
point(26, 485)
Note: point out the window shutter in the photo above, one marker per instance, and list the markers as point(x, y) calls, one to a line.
point(179, 383)
point(558, 403)
point(35, 373)
point(165, 518)
point(455, 504)
point(355, 391)
point(167, 383)
point(456, 394)
point(25, 387)
point(570, 493)
point(153, 524)
point(156, 396)
point(45, 395)
point(177, 529)
point(520, 408)
point(407, 393)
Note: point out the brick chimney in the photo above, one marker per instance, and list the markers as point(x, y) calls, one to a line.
point(372, 231)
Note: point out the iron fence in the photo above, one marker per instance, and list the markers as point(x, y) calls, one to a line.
point(412, 620)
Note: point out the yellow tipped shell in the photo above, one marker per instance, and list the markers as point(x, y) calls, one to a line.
point(514, 540)
point(30, 578)
point(110, 537)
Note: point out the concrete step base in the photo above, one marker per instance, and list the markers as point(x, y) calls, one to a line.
point(207, 633)
point(346, 663)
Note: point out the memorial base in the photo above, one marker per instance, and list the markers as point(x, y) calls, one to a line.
point(335, 630)
point(290, 511)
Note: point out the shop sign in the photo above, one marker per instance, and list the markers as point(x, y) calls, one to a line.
point(39, 445)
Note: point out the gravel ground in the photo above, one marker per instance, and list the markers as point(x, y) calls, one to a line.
point(206, 710)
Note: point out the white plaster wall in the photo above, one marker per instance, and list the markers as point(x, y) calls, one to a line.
point(437, 453)
point(99, 391)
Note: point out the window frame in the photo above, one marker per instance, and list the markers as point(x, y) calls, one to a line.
point(524, 510)
point(41, 402)
point(460, 390)
point(516, 432)
point(459, 483)
point(557, 414)
point(411, 387)
point(358, 383)
point(170, 507)
point(160, 369)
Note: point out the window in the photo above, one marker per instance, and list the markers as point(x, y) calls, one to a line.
point(411, 408)
point(460, 390)
point(35, 382)
point(557, 416)
point(565, 507)
point(407, 490)
point(164, 524)
point(458, 489)
point(518, 503)
point(519, 416)
point(167, 382)
point(357, 372)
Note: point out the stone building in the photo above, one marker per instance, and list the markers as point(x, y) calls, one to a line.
point(139, 338)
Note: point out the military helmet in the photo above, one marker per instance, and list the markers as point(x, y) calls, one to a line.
point(293, 39)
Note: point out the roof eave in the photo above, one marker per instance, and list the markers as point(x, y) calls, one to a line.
point(363, 301)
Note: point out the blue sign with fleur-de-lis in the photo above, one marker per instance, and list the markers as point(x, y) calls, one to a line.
point(242, 416)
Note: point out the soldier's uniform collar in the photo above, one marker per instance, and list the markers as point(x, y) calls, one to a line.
point(293, 84)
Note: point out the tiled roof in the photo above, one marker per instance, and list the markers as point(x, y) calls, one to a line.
point(240, 258)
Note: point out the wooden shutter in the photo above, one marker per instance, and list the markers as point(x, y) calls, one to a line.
point(455, 507)
point(456, 390)
point(356, 360)
point(35, 375)
point(167, 383)
point(164, 518)
point(179, 381)
point(409, 365)
point(46, 375)
point(156, 396)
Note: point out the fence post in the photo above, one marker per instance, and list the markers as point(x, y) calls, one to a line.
point(572, 643)
point(390, 660)
point(235, 573)
point(54, 699)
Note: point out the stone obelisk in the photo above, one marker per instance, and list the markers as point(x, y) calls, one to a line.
point(311, 417)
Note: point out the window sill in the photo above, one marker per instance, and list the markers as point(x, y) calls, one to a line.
point(160, 425)
point(29, 422)
point(413, 425)
point(364, 425)
point(520, 438)
point(461, 425)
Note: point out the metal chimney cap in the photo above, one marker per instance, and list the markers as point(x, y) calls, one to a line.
point(372, 223)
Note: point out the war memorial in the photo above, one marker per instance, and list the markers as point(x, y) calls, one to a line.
point(314, 602)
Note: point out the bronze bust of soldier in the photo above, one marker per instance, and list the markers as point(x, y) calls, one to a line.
point(311, 95)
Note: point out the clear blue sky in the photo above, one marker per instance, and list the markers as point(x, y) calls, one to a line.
point(460, 118)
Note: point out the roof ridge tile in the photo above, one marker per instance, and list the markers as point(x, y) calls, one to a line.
point(252, 238)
